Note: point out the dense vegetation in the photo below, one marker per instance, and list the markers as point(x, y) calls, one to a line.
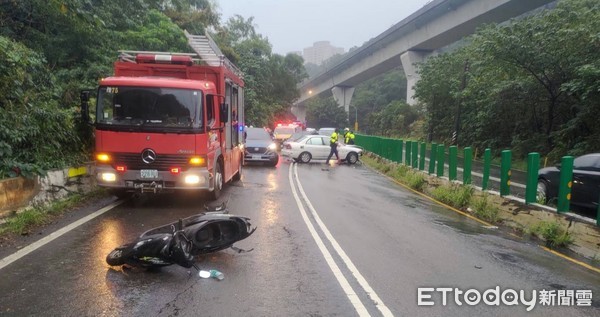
point(530, 85)
point(52, 49)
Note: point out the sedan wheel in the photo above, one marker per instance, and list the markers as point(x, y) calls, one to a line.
point(352, 158)
point(304, 157)
point(542, 192)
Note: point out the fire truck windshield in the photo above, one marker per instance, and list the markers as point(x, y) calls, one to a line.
point(149, 108)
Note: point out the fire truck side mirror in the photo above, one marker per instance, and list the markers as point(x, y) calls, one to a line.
point(223, 113)
point(85, 105)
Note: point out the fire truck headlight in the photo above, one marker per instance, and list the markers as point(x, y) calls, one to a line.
point(108, 177)
point(192, 179)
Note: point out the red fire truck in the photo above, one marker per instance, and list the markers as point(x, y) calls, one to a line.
point(169, 121)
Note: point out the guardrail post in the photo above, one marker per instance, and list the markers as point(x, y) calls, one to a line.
point(487, 162)
point(505, 172)
point(408, 153)
point(384, 148)
point(374, 145)
point(399, 150)
point(441, 152)
point(422, 156)
point(533, 165)
point(432, 155)
point(415, 154)
point(452, 157)
point(468, 160)
point(565, 183)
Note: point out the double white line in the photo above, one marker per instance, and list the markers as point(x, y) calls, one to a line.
point(350, 293)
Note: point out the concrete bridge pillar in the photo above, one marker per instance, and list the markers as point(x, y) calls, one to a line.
point(409, 60)
point(342, 95)
point(300, 112)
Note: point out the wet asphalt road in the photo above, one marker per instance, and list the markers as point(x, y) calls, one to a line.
point(378, 244)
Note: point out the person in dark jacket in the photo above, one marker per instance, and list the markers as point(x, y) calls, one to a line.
point(333, 144)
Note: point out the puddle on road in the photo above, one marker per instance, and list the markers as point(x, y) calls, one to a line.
point(443, 216)
point(462, 226)
point(505, 257)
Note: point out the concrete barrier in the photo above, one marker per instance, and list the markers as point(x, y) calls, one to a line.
point(19, 193)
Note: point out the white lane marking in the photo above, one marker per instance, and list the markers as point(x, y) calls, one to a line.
point(352, 296)
point(361, 280)
point(47, 239)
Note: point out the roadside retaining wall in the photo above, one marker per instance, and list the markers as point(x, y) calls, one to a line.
point(20, 193)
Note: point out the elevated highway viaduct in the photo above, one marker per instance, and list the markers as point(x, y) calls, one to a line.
point(429, 31)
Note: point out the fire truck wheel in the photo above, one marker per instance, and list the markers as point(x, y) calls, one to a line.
point(238, 175)
point(217, 183)
point(120, 193)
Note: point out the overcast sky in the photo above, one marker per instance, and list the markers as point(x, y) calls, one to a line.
point(292, 25)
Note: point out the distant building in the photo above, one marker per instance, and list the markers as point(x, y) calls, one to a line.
point(320, 51)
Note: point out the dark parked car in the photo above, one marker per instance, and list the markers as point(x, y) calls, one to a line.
point(586, 182)
point(260, 147)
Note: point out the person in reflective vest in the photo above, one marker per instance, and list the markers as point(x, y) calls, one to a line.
point(348, 136)
point(333, 144)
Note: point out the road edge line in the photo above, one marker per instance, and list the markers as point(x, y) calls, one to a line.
point(54, 235)
point(566, 257)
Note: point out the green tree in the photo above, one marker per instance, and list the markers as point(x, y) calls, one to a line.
point(270, 79)
point(35, 133)
point(325, 112)
point(529, 86)
point(372, 96)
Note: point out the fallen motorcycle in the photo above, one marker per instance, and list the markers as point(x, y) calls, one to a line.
point(180, 241)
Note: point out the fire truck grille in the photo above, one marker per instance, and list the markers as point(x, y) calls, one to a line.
point(163, 162)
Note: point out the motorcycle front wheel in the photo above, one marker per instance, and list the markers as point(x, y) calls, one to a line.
point(119, 255)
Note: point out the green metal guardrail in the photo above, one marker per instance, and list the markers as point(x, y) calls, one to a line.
point(468, 157)
point(533, 165)
point(565, 184)
point(452, 162)
point(422, 156)
point(432, 157)
point(505, 172)
point(414, 162)
point(441, 152)
point(487, 163)
point(415, 152)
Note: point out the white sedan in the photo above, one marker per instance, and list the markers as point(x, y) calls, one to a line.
point(316, 147)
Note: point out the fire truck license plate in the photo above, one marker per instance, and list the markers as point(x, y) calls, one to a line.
point(149, 173)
